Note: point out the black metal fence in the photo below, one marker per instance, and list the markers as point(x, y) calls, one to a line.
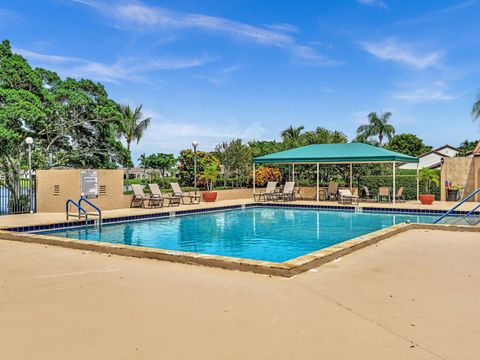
point(17, 198)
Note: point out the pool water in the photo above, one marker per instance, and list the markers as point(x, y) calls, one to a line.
point(269, 234)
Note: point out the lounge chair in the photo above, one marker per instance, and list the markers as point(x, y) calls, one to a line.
point(383, 193)
point(332, 191)
point(287, 192)
point(157, 194)
point(345, 196)
point(139, 198)
point(367, 195)
point(400, 197)
point(192, 197)
point(265, 194)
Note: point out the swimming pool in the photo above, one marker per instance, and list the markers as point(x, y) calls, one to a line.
point(257, 233)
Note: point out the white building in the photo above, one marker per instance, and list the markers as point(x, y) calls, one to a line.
point(433, 159)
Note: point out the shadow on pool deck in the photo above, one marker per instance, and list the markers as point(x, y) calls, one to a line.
point(413, 296)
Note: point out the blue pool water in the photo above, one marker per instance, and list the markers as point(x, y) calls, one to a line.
point(271, 234)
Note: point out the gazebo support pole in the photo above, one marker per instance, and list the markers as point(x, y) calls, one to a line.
point(318, 179)
point(394, 182)
point(351, 178)
point(293, 172)
point(418, 182)
point(253, 177)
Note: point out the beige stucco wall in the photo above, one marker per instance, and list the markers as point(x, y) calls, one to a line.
point(464, 171)
point(69, 188)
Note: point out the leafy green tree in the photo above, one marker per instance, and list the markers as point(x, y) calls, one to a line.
point(409, 144)
point(72, 122)
point(186, 166)
point(235, 157)
point(161, 162)
point(132, 127)
point(292, 133)
point(429, 177)
point(467, 146)
point(377, 126)
point(262, 147)
point(323, 136)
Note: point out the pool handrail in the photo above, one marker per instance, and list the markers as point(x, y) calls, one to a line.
point(80, 209)
point(99, 211)
point(459, 204)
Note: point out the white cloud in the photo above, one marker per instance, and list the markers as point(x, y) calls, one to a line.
point(378, 3)
point(128, 69)
point(169, 136)
point(434, 92)
point(406, 53)
point(143, 17)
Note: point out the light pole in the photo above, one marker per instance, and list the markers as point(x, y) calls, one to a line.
point(29, 142)
point(195, 144)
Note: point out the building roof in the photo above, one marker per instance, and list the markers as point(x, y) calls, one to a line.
point(335, 153)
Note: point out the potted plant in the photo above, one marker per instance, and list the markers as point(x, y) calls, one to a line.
point(453, 191)
point(428, 176)
point(210, 175)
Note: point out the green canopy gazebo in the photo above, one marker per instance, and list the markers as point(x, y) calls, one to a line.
point(349, 153)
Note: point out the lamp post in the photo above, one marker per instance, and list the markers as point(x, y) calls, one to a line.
point(29, 142)
point(195, 144)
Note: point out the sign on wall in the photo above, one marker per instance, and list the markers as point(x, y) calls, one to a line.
point(89, 184)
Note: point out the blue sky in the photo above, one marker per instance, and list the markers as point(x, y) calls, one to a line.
point(216, 70)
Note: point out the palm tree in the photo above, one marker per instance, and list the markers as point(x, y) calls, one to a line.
point(292, 133)
point(476, 109)
point(377, 126)
point(143, 163)
point(132, 127)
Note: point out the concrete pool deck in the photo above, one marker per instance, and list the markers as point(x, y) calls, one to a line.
point(413, 296)
point(7, 221)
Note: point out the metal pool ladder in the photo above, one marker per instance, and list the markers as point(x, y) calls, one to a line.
point(81, 211)
point(465, 220)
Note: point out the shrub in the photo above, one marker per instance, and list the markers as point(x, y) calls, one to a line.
point(265, 174)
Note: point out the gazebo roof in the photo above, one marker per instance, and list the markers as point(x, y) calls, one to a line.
point(335, 153)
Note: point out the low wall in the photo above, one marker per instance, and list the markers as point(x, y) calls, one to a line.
point(55, 187)
point(463, 171)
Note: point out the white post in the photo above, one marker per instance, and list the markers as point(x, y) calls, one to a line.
point(293, 172)
point(351, 177)
point(418, 182)
point(254, 178)
point(394, 184)
point(318, 179)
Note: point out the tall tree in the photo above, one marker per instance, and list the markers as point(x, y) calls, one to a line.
point(132, 127)
point(323, 136)
point(292, 133)
point(161, 162)
point(377, 126)
point(476, 108)
point(235, 157)
point(409, 144)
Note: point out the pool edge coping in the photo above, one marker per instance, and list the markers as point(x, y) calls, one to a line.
point(285, 269)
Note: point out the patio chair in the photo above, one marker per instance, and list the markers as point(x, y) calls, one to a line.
point(177, 191)
point(265, 194)
point(157, 194)
point(332, 191)
point(367, 195)
point(287, 192)
point(400, 197)
point(345, 196)
point(383, 193)
point(139, 197)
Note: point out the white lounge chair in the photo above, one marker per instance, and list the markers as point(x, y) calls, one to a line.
point(345, 196)
point(157, 194)
point(287, 193)
point(177, 191)
point(139, 198)
point(265, 194)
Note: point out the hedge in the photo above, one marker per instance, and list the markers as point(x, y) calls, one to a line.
point(409, 182)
